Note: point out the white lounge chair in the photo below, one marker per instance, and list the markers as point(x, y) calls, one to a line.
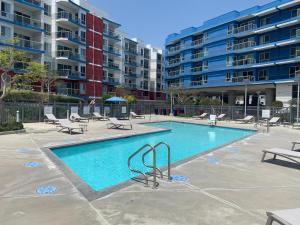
point(136, 116)
point(202, 116)
point(65, 124)
point(285, 153)
point(284, 217)
point(114, 123)
point(212, 120)
point(272, 122)
point(51, 118)
point(296, 125)
point(221, 116)
point(98, 116)
point(247, 119)
point(76, 118)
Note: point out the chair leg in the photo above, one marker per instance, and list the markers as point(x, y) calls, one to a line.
point(269, 221)
point(263, 157)
point(294, 145)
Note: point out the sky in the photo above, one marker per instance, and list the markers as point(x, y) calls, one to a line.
point(153, 20)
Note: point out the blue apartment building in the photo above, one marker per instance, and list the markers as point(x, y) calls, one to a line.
point(258, 48)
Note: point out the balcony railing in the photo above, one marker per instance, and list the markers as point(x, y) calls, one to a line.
point(23, 20)
point(197, 83)
point(112, 65)
point(176, 85)
point(110, 80)
point(244, 45)
point(111, 33)
point(130, 85)
point(243, 62)
point(198, 55)
point(245, 28)
point(70, 36)
point(69, 17)
point(111, 49)
point(131, 63)
point(68, 91)
point(34, 3)
point(131, 50)
point(243, 78)
point(174, 49)
point(173, 61)
point(198, 42)
point(70, 55)
point(196, 69)
point(70, 74)
point(23, 43)
point(174, 73)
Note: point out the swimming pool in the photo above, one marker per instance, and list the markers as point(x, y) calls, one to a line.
point(103, 164)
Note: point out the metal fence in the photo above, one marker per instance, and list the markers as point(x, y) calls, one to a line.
point(34, 112)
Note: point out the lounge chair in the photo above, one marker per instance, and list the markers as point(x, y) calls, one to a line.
point(202, 116)
point(284, 217)
point(285, 153)
point(51, 118)
point(114, 123)
point(67, 125)
point(221, 117)
point(247, 119)
point(136, 116)
point(212, 120)
point(272, 122)
point(76, 118)
point(296, 125)
point(98, 116)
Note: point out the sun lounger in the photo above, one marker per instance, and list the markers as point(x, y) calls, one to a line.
point(285, 153)
point(284, 217)
point(114, 123)
point(136, 116)
point(296, 125)
point(212, 120)
point(69, 126)
point(272, 122)
point(98, 116)
point(247, 119)
point(76, 118)
point(202, 116)
point(51, 118)
point(221, 116)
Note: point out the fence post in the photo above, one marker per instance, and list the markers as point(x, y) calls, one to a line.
point(68, 113)
point(18, 116)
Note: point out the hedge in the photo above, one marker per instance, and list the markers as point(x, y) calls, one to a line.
point(11, 126)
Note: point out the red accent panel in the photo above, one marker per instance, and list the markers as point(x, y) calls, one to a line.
point(98, 40)
point(98, 25)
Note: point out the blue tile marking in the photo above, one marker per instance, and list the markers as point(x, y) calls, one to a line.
point(213, 160)
point(24, 150)
point(44, 190)
point(179, 178)
point(32, 164)
point(233, 149)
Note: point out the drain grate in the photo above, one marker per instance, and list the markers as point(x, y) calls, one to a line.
point(179, 178)
point(24, 150)
point(32, 164)
point(213, 160)
point(44, 190)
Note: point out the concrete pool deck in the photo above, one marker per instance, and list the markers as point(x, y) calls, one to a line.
point(228, 186)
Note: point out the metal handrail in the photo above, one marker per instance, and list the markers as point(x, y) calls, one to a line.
point(137, 171)
point(154, 167)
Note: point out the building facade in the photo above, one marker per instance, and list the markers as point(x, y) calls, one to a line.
point(256, 49)
point(78, 42)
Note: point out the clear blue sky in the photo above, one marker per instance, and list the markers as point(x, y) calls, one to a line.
point(153, 20)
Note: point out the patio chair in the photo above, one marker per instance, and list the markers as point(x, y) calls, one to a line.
point(51, 118)
point(114, 123)
point(247, 119)
point(69, 126)
point(285, 153)
point(212, 120)
point(136, 116)
point(98, 116)
point(284, 217)
point(202, 116)
point(275, 121)
point(221, 117)
point(76, 118)
point(296, 125)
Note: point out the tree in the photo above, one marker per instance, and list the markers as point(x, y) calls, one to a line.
point(8, 57)
point(130, 99)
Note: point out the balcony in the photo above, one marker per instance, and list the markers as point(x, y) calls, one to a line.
point(196, 69)
point(243, 62)
point(198, 55)
point(111, 34)
point(112, 66)
point(68, 92)
point(131, 51)
point(69, 55)
point(131, 74)
point(176, 85)
point(131, 63)
point(173, 62)
point(243, 45)
point(23, 44)
point(197, 43)
point(197, 83)
point(245, 28)
point(71, 75)
point(69, 36)
point(130, 85)
point(69, 19)
point(110, 80)
point(174, 50)
point(111, 50)
point(242, 79)
point(31, 4)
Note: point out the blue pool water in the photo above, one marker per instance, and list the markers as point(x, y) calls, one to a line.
point(104, 164)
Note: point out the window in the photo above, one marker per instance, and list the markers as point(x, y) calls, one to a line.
point(83, 36)
point(263, 75)
point(230, 29)
point(205, 65)
point(228, 76)
point(295, 32)
point(82, 88)
point(229, 45)
point(82, 71)
point(295, 12)
point(294, 71)
point(48, 65)
point(47, 28)
point(5, 32)
point(204, 79)
point(265, 39)
point(229, 60)
point(5, 9)
point(47, 48)
point(83, 19)
point(47, 9)
point(265, 21)
point(264, 56)
point(205, 36)
point(295, 52)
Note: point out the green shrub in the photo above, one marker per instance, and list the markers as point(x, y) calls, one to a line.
point(277, 104)
point(12, 126)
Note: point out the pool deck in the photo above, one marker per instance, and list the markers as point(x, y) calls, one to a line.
point(228, 186)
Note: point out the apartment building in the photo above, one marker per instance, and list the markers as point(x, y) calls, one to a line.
point(257, 48)
point(79, 42)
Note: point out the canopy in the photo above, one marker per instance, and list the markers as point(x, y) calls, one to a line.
point(116, 99)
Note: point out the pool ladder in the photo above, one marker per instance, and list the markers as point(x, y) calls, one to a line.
point(155, 171)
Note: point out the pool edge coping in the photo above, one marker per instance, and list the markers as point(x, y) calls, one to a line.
point(90, 194)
